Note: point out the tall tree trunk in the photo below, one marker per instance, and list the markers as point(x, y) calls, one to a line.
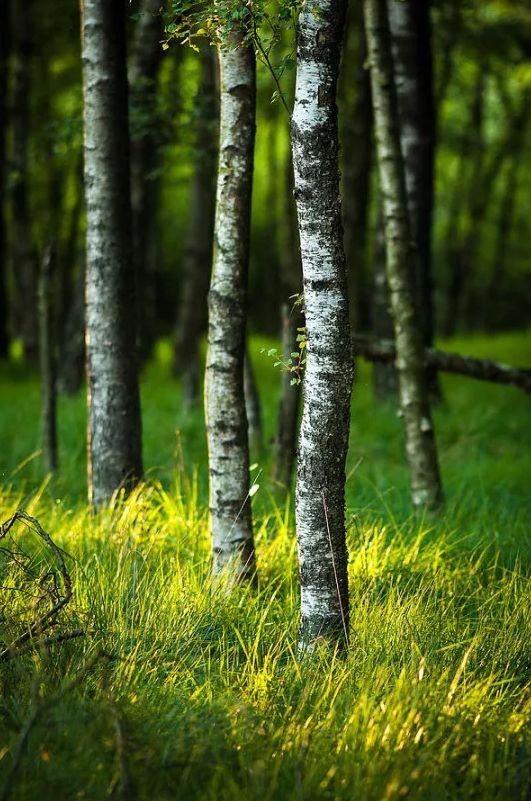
point(320, 495)
point(291, 319)
point(144, 62)
point(426, 489)
point(114, 428)
point(23, 253)
point(5, 40)
point(197, 261)
point(385, 381)
point(48, 357)
point(228, 445)
point(357, 156)
point(410, 26)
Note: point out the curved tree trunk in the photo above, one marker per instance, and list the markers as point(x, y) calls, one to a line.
point(197, 261)
point(114, 430)
point(144, 62)
point(320, 496)
point(228, 445)
point(426, 489)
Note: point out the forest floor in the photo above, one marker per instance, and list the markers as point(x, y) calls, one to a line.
point(181, 690)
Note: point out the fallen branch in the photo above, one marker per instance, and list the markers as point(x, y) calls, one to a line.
point(480, 369)
point(59, 595)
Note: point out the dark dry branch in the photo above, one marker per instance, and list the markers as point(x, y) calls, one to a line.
point(55, 585)
point(480, 369)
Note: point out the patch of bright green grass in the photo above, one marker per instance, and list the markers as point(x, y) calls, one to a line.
point(198, 693)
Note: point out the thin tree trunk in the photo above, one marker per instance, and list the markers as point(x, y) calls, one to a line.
point(320, 495)
point(5, 40)
point(114, 428)
point(253, 408)
point(426, 489)
point(357, 157)
point(410, 27)
point(144, 62)
point(228, 445)
point(23, 254)
point(48, 358)
point(197, 261)
point(72, 360)
point(291, 319)
point(385, 382)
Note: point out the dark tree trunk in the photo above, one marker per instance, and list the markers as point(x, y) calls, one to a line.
point(23, 253)
point(228, 444)
point(385, 380)
point(291, 319)
point(320, 495)
point(143, 74)
point(48, 357)
point(114, 428)
point(426, 489)
point(410, 26)
point(197, 262)
point(253, 408)
point(357, 156)
point(5, 41)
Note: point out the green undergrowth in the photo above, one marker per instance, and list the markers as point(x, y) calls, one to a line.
point(180, 689)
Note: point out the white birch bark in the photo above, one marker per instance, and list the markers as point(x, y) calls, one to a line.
point(114, 435)
point(426, 489)
point(320, 494)
point(228, 446)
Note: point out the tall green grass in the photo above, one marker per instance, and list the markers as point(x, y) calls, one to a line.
point(189, 691)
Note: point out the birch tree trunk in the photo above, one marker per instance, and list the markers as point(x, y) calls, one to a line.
point(410, 27)
point(114, 429)
point(197, 260)
point(426, 489)
point(228, 445)
point(320, 495)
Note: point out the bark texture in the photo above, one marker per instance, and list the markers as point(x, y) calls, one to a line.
point(426, 489)
point(320, 495)
point(114, 430)
point(48, 358)
point(228, 446)
point(197, 261)
point(384, 352)
point(410, 26)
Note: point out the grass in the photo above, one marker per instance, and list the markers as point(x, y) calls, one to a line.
point(200, 695)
